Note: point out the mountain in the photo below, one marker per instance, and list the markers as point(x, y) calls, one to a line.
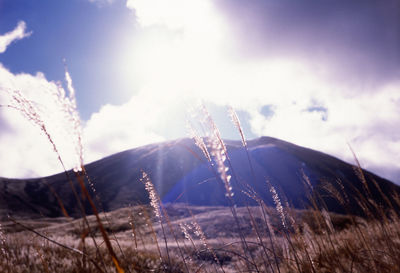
point(181, 173)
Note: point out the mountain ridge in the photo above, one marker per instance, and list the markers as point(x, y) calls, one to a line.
point(180, 173)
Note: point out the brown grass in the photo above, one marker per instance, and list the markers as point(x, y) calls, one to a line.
point(178, 238)
point(347, 246)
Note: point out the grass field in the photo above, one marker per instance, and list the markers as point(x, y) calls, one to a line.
point(178, 238)
point(208, 238)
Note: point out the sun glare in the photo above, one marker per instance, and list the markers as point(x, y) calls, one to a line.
point(177, 48)
point(185, 53)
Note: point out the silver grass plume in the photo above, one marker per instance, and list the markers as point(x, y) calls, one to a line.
point(185, 228)
point(218, 152)
point(236, 122)
point(55, 113)
point(220, 157)
point(278, 205)
point(198, 141)
point(153, 196)
point(32, 112)
point(71, 109)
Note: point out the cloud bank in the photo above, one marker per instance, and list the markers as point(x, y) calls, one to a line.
point(359, 40)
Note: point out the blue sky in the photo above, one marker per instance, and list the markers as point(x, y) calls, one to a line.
point(319, 74)
point(83, 33)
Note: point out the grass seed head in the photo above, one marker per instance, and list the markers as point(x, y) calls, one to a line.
point(153, 196)
point(278, 205)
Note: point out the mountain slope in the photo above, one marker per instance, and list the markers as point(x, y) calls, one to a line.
point(180, 173)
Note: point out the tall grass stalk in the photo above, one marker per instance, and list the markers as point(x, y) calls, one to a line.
point(155, 204)
point(220, 153)
point(236, 122)
point(68, 106)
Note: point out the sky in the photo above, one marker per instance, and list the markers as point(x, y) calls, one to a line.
point(320, 74)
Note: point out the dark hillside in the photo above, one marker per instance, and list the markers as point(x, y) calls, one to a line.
point(180, 173)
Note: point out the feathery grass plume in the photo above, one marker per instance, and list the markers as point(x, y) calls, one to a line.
point(198, 141)
point(155, 203)
point(70, 108)
point(281, 212)
point(212, 131)
point(185, 228)
point(222, 169)
point(278, 205)
point(62, 110)
point(72, 112)
point(218, 152)
point(153, 196)
point(54, 112)
point(236, 122)
point(49, 117)
point(199, 232)
point(31, 112)
point(58, 116)
point(288, 211)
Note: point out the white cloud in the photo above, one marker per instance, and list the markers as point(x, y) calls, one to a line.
point(25, 151)
point(117, 128)
point(367, 122)
point(175, 14)
point(17, 34)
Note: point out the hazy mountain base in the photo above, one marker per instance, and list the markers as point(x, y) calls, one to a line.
point(344, 244)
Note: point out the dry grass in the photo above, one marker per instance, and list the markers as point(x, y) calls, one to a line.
point(178, 238)
point(349, 245)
